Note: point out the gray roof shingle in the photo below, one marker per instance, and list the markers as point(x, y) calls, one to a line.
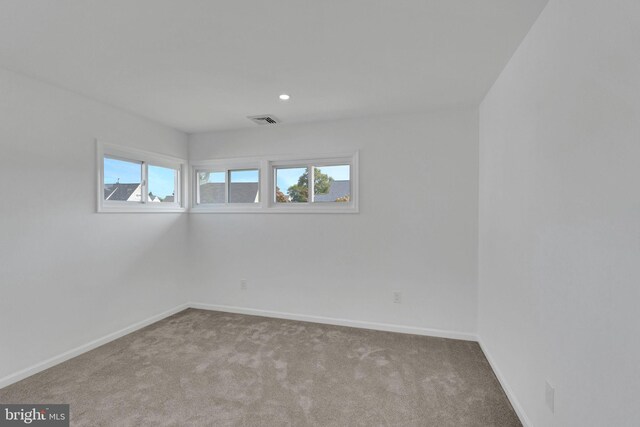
point(239, 192)
point(118, 191)
point(337, 190)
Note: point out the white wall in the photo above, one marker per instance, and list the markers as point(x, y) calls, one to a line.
point(416, 231)
point(67, 274)
point(560, 216)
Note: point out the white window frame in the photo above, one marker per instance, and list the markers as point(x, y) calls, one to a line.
point(225, 165)
point(309, 163)
point(144, 158)
point(266, 165)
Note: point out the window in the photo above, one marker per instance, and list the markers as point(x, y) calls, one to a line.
point(226, 186)
point(163, 183)
point(122, 180)
point(317, 185)
point(331, 183)
point(295, 182)
point(244, 186)
point(136, 181)
point(211, 187)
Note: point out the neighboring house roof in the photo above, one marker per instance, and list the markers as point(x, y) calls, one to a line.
point(243, 192)
point(130, 193)
point(239, 192)
point(211, 192)
point(337, 190)
point(119, 192)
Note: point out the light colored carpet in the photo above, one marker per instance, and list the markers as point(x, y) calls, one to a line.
point(206, 368)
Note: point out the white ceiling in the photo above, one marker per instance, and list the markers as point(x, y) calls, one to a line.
point(200, 65)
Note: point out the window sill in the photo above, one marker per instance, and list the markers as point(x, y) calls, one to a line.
point(226, 209)
point(141, 209)
point(276, 210)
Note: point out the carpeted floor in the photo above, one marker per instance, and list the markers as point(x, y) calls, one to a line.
point(206, 368)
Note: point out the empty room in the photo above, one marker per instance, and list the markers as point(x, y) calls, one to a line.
point(320, 213)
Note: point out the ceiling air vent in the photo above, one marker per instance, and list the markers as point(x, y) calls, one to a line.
point(264, 119)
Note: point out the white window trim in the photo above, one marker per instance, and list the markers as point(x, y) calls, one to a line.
point(266, 165)
point(145, 158)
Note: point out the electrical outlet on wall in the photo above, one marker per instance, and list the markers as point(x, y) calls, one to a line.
point(550, 396)
point(397, 297)
point(243, 284)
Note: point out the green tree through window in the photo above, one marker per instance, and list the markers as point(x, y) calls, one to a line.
point(300, 192)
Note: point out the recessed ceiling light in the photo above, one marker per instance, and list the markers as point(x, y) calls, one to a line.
point(284, 97)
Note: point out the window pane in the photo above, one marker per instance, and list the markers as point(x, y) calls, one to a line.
point(162, 184)
point(292, 185)
point(211, 187)
point(332, 184)
point(122, 180)
point(244, 186)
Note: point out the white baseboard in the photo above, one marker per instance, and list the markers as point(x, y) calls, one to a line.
point(38, 367)
point(339, 322)
point(526, 422)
